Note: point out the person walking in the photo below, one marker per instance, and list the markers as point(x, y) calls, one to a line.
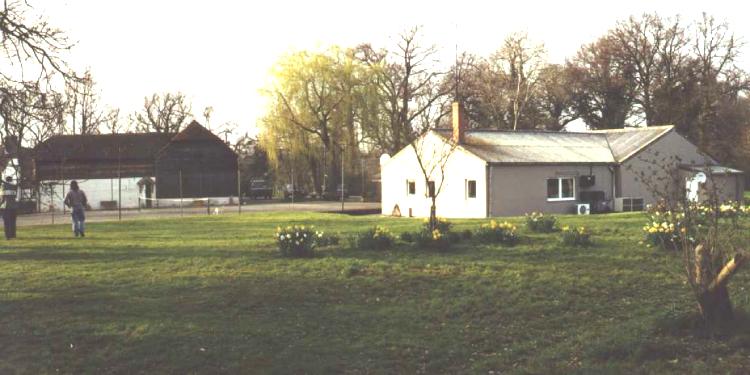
point(76, 200)
point(10, 192)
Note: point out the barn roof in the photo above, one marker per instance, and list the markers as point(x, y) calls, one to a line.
point(102, 147)
point(547, 147)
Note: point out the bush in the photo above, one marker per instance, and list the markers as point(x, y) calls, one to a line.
point(328, 240)
point(538, 222)
point(434, 240)
point(297, 241)
point(576, 236)
point(376, 238)
point(442, 225)
point(467, 234)
point(493, 232)
point(407, 237)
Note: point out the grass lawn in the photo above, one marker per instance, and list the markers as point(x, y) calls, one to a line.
point(211, 294)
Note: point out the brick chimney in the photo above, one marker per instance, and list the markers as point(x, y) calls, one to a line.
point(459, 123)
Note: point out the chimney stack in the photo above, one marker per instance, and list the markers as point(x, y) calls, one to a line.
point(459, 123)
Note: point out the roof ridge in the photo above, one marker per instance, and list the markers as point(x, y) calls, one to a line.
point(631, 129)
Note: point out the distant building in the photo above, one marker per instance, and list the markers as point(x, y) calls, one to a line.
point(503, 173)
point(136, 168)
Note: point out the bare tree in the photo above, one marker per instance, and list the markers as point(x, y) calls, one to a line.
point(30, 52)
point(408, 84)
point(84, 110)
point(522, 62)
point(165, 113)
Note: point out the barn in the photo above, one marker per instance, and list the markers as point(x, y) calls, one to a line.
point(135, 169)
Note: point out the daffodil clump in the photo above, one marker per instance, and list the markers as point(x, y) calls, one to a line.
point(436, 239)
point(375, 238)
point(297, 241)
point(578, 236)
point(541, 223)
point(441, 224)
point(494, 232)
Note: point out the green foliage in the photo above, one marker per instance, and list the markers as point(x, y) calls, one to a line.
point(442, 225)
point(297, 241)
point(494, 232)
point(577, 237)
point(541, 223)
point(407, 237)
point(328, 239)
point(375, 238)
point(434, 240)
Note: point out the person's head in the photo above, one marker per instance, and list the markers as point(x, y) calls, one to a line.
point(8, 178)
point(74, 185)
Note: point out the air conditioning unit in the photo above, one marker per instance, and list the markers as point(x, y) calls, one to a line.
point(629, 204)
point(583, 209)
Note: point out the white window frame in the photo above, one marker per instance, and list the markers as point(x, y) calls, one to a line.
point(559, 189)
point(466, 189)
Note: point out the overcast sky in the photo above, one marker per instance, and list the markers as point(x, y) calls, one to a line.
point(219, 52)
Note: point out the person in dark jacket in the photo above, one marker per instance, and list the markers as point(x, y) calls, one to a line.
point(76, 200)
point(10, 192)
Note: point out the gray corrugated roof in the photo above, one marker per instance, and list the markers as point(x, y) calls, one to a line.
point(626, 142)
point(711, 169)
point(538, 147)
point(601, 146)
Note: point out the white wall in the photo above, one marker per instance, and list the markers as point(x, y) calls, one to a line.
point(452, 201)
point(97, 190)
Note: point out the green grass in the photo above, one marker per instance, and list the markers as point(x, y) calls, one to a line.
point(211, 294)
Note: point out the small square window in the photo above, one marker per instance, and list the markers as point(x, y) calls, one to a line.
point(471, 189)
point(561, 189)
point(411, 187)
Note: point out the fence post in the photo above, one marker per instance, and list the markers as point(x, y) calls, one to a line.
point(239, 191)
point(180, 183)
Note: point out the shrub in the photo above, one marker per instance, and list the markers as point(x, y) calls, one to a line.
point(328, 240)
point(467, 234)
point(538, 222)
point(376, 238)
point(443, 225)
point(434, 240)
point(297, 241)
point(493, 232)
point(576, 236)
point(407, 237)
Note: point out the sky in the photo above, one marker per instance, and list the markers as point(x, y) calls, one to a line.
point(219, 53)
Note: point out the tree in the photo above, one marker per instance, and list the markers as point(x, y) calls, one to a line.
point(409, 87)
point(521, 62)
point(31, 52)
point(555, 98)
point(84, 112)
point(166, 113)
point(603, 93)
point(432, 154)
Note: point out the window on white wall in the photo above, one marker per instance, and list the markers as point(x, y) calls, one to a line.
point(411, 187)
point(471, 188)
point(561, 189)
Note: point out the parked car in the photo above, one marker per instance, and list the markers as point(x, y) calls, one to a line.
point(260, 189)
point(297, 192)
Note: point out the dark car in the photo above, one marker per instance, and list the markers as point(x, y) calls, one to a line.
point(260, 189)
point(298, 193)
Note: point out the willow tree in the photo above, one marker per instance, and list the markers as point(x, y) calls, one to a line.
point(314, 112)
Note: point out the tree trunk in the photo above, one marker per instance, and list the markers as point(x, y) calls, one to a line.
point(715, 306)
point(433, 215)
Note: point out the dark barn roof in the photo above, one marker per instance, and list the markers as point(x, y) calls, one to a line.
point(101, 147)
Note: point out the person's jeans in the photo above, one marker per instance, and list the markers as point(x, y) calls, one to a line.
point(78, 218)
point(9, 223)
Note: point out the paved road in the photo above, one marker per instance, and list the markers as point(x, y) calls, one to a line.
point(105, 215)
